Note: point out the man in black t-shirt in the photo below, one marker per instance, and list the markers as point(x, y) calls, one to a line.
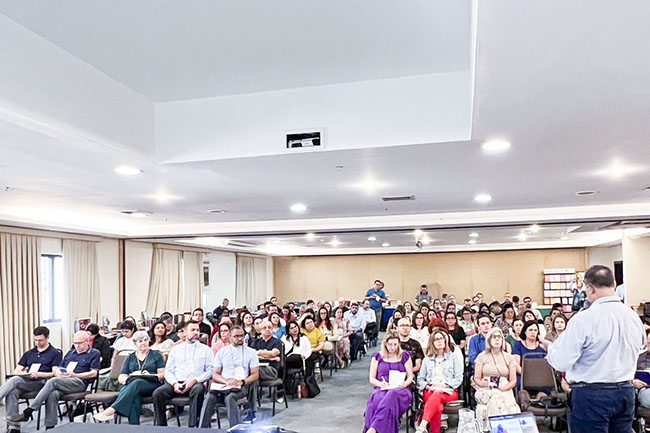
point(33, 369)
point(268, 350)
point(408, 344)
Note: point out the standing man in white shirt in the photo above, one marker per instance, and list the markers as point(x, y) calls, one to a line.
point(372, 330)
point(189, 366)
point(599, 351)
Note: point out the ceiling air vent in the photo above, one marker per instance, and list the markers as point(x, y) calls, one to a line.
point(241, 244)
point(399, 198)
point(309, 140)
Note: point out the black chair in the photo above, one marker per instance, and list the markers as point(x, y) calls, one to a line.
point(24, 398)
point(273, 384)
point(536, 373)
point(102, 397)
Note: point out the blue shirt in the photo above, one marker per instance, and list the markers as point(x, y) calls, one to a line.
point(521, 350)
point(189, 361)
point(231, 357)
point(476, 346)
point(374, 304)
point(600, 344)
point(86, 361)
point(47, 358)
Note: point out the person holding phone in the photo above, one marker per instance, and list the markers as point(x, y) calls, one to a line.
point(77, 370)
point(189, 366)
point(33, 369)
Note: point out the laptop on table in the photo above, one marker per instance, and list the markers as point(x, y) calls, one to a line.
point(515, 423)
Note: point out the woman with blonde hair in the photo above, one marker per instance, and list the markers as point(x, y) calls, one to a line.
point(439, 377)
point(495, 376)
point(389, 401)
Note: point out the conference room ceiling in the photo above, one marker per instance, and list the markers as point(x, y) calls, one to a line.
point(566, 84)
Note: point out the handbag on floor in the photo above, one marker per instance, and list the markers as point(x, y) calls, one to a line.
point(312, 387)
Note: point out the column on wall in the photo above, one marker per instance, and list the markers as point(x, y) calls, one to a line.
point(636, 258)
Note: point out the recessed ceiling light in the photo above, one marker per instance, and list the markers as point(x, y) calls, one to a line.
point(216, 211)
point(618, 169)
point(418, 233)
point(564, 238)
point(471, 241)
point(136, 213)
point(298, 208)
point(586, 192)
point(496, 145)
point(163, 197)
point(483, 198)
point(522, 236)
point(647, 188)
point(127, 170)
point(385, 244)
point(534, 228)
point(322, 240)
point(335, 242)
point(473, 235)
point(310, 236)
point(426, 240)
point(372, 238)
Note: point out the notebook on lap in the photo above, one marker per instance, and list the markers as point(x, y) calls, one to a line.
point(516, 423)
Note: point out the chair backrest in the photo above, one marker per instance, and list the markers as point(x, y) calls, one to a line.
point(536, 372)
point(117, 365)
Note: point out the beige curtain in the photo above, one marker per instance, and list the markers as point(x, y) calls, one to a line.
point(81, 282)
point(192, 279)
point(165, 283)
point(251, 281)
point(20, 259)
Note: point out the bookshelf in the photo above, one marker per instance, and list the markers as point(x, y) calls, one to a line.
point(558, 285)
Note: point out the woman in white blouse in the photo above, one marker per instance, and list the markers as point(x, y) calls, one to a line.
point(419, 330)
point(158, 339)
point(297, 347)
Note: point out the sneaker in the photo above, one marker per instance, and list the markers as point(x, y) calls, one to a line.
point(250, 418)
point(280, 399)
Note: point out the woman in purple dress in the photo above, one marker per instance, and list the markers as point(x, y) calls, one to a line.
point(388, 402)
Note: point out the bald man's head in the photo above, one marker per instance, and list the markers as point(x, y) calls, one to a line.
point(80, 341)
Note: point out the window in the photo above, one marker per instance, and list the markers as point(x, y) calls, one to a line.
point(52, 296)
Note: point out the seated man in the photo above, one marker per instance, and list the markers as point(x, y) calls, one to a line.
point(236, 367)
point(33, 369)
point(477, 343)
point(643, 363)
point(268, 348)
point(77, 371)
point(357, 325)
point(204, 328)
point(189, 366)
point(408, 344)
point(372, 330)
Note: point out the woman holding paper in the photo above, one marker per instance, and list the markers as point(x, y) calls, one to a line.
point(441, 373)
point(391, 373)
point(141, 374)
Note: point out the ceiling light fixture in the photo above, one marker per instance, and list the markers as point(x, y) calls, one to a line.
point(418, 233)
point(564, 238)
point(471, 241)
point(385, 244)
point(136, 213)
point(127, 170)
point(483, 198)
point(522, 236)
point(372, 238)
point(298, 208)
point(496, 145)
point(586, 192)
point(163, 197)
point(310, 236)
point(426, 240)
point(473, 235)
point(534, 228)
point(335, 242)
point(216, 211)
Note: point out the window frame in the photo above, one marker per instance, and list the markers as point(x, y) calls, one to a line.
point(50, 317)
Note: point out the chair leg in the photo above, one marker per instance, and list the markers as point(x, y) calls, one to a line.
point(38, 419)
point(274, 397)
point(218, 419)
point(178, 418)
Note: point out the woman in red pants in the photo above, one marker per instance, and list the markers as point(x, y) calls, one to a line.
point(440, 375)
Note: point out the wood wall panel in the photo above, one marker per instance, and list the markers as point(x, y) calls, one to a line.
point(463, 273)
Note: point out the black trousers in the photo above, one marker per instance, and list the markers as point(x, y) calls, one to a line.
point(355, 342)
point(165, 393)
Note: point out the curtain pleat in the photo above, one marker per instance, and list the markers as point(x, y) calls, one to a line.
point(251, 281)
point(165, 282)
point(81, 281)
point(20, 296)
point(193, 279)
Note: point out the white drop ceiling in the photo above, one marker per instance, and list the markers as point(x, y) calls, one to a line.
point(566, 84)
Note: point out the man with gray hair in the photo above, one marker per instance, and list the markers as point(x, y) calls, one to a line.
point(268, 348)
point(599, 351)
point(77, 370)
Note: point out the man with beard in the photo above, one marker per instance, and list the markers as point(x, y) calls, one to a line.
point(189, 366)
point(236, 368)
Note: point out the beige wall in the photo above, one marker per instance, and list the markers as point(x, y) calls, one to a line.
point(604, 256)
point(636, 260)
point(490, 272)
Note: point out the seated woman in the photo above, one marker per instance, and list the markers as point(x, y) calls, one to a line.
point(507, 318)
point(158, 339)
point(142, 361)
point(344, 332)
point(245, 320)
point(408, 308)
point(276, 322)
point(529, 344)
point(529, 316)
point(317, 341)
point(515, 332)
point(297, 349)
point(397, 314)
point(558, 325)
point(387, 403)
point(327, 328)
point(495, 376)
point(180, 333)
point(456, 331)
point(222, 338)
point(440, 375)
point(419, 330)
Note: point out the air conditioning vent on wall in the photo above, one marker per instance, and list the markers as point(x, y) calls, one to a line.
point(312, 140)
point(399, 198)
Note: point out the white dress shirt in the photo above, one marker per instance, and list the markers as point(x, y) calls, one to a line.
point(189, 361)
point(357, 321)
point(369, 315)
point(600, 344)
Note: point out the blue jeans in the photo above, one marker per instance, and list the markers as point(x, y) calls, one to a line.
point(605, 408)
